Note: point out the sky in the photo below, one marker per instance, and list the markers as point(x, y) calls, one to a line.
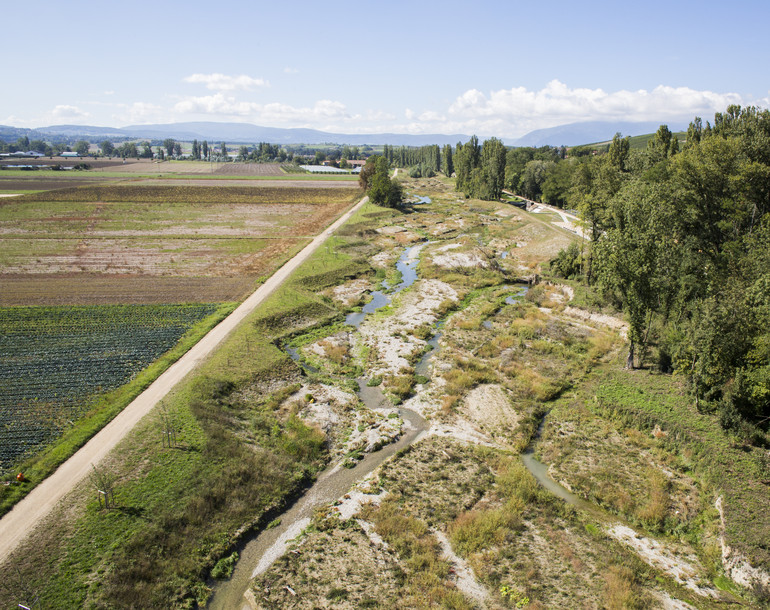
point(490, 67)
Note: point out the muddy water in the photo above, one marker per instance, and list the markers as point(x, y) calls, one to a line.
point(423, 364)
point(259, 552)
point(540, 472)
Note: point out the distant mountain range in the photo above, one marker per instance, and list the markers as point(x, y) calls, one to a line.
point(576, 134)
point(573, 134)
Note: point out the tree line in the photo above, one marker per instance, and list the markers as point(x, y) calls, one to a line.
point(680, 240)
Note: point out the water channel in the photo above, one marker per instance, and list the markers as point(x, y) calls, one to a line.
point(257, 552)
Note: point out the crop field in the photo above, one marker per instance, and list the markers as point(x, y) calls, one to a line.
point(197, 194)
point(225, 239)
point(237, 169)
point(95, 288)
point(92, 281)
point(54, 360)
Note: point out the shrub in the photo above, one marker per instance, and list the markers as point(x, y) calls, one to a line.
point(224, 567)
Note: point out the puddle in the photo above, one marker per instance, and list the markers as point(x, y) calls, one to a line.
point(423, 364)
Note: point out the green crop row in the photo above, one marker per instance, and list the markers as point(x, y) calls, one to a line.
point(55, 363)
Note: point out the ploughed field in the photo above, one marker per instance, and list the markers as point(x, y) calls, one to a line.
point(228, 236)
point(97, 282)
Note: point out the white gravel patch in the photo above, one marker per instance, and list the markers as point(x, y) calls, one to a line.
point(461, 430)
point(464, 577)
point(737, 566)
point(460, 259)
point(352, 502)
point(449, 247)
point(684, 569)
point(391, 338)
point(280, 546)
point(382, 260)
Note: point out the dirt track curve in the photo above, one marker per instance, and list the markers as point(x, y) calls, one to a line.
point(28, 513)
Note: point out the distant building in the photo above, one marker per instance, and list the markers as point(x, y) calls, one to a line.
point(69, 154)
point(23, 155)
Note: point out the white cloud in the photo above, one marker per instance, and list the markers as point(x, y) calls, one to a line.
point(140, 113)
point(321, 115)
point(431, 116)
point(109, 92)
point(289, 70)
point(517, 110)
point(64, 111)
point(223, 82)
point(506, 113)
point(216, 104)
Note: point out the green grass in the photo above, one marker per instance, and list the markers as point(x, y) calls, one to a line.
point(723, 464)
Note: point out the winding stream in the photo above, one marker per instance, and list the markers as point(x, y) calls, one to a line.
point(261, 549)
point(258, 552)
point(407, 265)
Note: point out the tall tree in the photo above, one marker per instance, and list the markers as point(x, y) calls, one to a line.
point(619, 151)
point(168, 144)
point(447, 165)
point(82, 147)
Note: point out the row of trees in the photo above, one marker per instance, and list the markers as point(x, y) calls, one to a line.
point(24, 144)
point(480, 170)
point(680, 239)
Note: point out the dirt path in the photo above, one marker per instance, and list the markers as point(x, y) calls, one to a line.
point(28, 513)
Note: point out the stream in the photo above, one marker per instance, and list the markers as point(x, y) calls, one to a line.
point(540, 472)
point(407, 265)
point(258, 551)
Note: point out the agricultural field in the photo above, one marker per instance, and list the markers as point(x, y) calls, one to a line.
point(101, 286)
point(55, 361)
point(224, 238)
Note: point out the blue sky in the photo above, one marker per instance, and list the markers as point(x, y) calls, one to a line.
point(498, 68)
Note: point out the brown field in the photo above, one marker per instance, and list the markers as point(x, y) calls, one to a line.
point(98, 289)
point(159, 244)
point(312, 182)
point(235, 169)
point(96, 164)
point(15, 183)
